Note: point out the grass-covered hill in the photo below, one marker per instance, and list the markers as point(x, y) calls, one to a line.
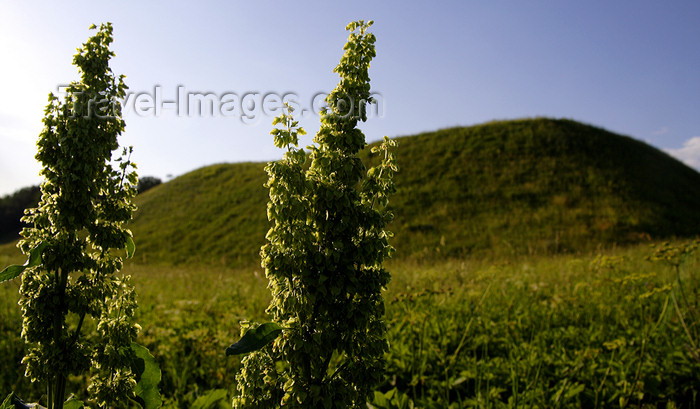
point(534, 186)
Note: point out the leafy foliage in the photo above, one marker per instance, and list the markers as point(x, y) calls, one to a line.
point(14, 271)
point(146, 368)
point(255, 338)
point(79, 225)
point(213, 399)
point(324, 255)
point(12, 206)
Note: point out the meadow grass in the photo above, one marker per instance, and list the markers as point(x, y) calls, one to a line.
point(594, 331)
point(598, 330)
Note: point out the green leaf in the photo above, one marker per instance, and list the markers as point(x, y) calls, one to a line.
point(13, 271)
point(73, 403)
point(576, 389)
point(210, 399)
point(6, 404)
point(379, 401)
point(13, 402)
point(255, 339)
point(35, 254)
point(148, 376)
point(130, 246)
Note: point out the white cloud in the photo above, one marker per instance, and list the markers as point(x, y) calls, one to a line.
point(689, 153)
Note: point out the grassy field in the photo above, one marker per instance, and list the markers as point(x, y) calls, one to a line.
point(519, 278)
point(600, 330)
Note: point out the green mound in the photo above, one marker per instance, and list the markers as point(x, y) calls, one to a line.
point(213, 215)
point(534, 186)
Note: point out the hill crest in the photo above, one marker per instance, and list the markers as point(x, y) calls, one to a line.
point(528, 186)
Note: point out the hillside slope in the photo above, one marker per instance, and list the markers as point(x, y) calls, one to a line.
point(213, 215)
point(533, 186)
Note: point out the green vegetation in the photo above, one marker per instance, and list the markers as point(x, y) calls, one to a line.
point(558, 331)
point(534, 186)
point(76, 311)
point(569, 325)
point(519, 281)
point(12, 206)
point(214, 215)
point(324, 257)
point(147, 182)
point(537, 186)
point(596, 331)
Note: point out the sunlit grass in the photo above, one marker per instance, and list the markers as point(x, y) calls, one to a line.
point(564, 331)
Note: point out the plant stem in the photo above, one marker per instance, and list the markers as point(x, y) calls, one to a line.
point(77, 330)
point(49, 392)
point(680, 317)
point(339, 369)
point(685, 300)
point(57, 392)
point(60, 391)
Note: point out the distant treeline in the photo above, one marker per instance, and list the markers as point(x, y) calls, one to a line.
point(12, 206)
point(12, 209)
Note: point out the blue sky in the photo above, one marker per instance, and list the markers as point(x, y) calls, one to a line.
point(630, 66)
